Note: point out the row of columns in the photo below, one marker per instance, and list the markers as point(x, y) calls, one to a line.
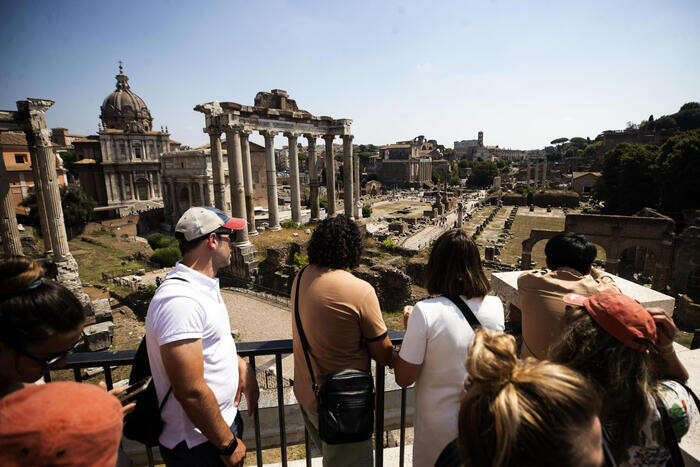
point(241, 180)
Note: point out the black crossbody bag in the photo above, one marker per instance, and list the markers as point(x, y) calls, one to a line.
point(345, 399)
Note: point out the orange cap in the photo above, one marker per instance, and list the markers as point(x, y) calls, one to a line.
point(61, 423)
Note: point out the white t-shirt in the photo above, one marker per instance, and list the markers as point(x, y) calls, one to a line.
point(437, 337)
point(192, 310)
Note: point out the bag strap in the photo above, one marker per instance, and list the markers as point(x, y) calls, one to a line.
point(466, 311)
point(302, 335)
point(607, 453)
point(670, 439)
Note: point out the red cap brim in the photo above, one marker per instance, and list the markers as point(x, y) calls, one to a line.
point(235, 223)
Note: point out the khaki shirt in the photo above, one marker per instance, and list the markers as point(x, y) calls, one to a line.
point(339, 314)
point(541, 294)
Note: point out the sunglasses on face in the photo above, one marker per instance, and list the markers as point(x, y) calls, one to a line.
point(47, 362)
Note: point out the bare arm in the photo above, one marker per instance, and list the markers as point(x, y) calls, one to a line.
point(184, 365)
point(669, 364)
point(247, 385)
point(381, 350)
point(405, 373)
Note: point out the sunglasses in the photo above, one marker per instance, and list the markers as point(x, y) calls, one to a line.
point(47, 362)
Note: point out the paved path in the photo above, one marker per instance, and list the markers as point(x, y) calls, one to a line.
point(260, 320)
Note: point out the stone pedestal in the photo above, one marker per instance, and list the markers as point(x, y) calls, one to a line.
point(244, 266)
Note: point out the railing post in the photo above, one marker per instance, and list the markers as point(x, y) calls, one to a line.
point(307, 448)
point(256, 419)
point(402, 443)
point(379, 419)
point(280, 406)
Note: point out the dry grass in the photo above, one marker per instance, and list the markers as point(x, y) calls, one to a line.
point(521, 230)
point(269, 239)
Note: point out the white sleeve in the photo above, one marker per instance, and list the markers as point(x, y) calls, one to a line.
point(496, 307)
point(416, 338)
point(178, 319)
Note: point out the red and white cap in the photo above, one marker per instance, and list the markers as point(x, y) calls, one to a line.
point(622, 317)
point(199, 221)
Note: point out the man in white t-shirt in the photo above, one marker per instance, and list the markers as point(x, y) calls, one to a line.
point(191, 351)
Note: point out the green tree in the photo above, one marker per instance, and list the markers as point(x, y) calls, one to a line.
point(629, 182)
point(578, 142)
point(679, 170)
point(482, 175)
point(77, 206)
point(559, 141)
point(367, 210)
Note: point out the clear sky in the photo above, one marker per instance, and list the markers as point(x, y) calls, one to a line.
point(522, 72)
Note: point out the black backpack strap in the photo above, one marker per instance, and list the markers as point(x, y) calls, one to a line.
point(466, 311)
point(670, 439)
point(302, 335)
point(607, 452)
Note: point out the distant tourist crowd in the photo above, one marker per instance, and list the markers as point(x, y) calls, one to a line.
point(588, 377)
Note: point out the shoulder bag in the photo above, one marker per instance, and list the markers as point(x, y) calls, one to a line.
point(345, 399)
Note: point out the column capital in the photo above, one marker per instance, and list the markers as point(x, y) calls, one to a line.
point(212, 131)
point(292, 134)
point(267, 134)
point(329, 138)
point(237, 127)
point(311, 136)
point(245, 132)
point(348, 137)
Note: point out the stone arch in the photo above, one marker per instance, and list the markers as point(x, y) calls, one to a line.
point(184, 198)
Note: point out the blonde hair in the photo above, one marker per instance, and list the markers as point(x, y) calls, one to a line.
point(520, 412)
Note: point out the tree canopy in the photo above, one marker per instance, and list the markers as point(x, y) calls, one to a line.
point(77, 206)
point(559, 140)
point(482, 175)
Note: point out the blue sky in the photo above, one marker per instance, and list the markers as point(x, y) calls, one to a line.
point(522, 72)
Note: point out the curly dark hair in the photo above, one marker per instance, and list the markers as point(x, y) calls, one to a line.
point(624, 377)
point(336, 243)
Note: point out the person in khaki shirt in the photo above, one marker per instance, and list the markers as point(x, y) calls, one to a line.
point(343, 324)
point(569, 262)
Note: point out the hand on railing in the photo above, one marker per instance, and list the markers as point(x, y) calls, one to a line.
point(248, 386)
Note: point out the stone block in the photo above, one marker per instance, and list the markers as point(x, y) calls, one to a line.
point(99, 336)
point(102, 310)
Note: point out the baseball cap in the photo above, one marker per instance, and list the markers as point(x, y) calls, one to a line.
point(622, 317)
point(198, 221)
point(62, 423)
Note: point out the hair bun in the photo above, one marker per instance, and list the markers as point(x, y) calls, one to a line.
point(492, 361)
point(17, 273)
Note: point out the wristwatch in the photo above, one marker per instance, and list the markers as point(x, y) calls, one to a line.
point(228, 450)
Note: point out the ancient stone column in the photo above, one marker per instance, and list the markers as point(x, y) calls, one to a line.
point(38, 137)
point(201, 193)
point(235, 173)
point(330, 175)
point(294, 176)
point(460, 213)
point(9, 230)
point(208, 201)
point(271, 170)
point(43, 221)
point(217, 169)
point(131, 185)
point(248, 182)
point(313, 177)
point(356, 183)
point(349, 189)
point(189, 194)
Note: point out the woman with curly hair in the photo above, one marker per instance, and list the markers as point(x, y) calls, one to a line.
point(438, 333)
point(627, 353)
point(343, 323)
point(523, 412)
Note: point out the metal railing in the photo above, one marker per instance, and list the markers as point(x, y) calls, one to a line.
point(251, 350)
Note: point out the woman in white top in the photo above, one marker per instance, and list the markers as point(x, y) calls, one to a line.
point(437, 338)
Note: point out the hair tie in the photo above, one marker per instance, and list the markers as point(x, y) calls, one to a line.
point(35, 284)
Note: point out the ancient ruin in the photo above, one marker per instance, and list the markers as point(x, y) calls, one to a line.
point(271, 114)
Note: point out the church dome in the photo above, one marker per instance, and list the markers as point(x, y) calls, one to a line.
point(124, 110)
